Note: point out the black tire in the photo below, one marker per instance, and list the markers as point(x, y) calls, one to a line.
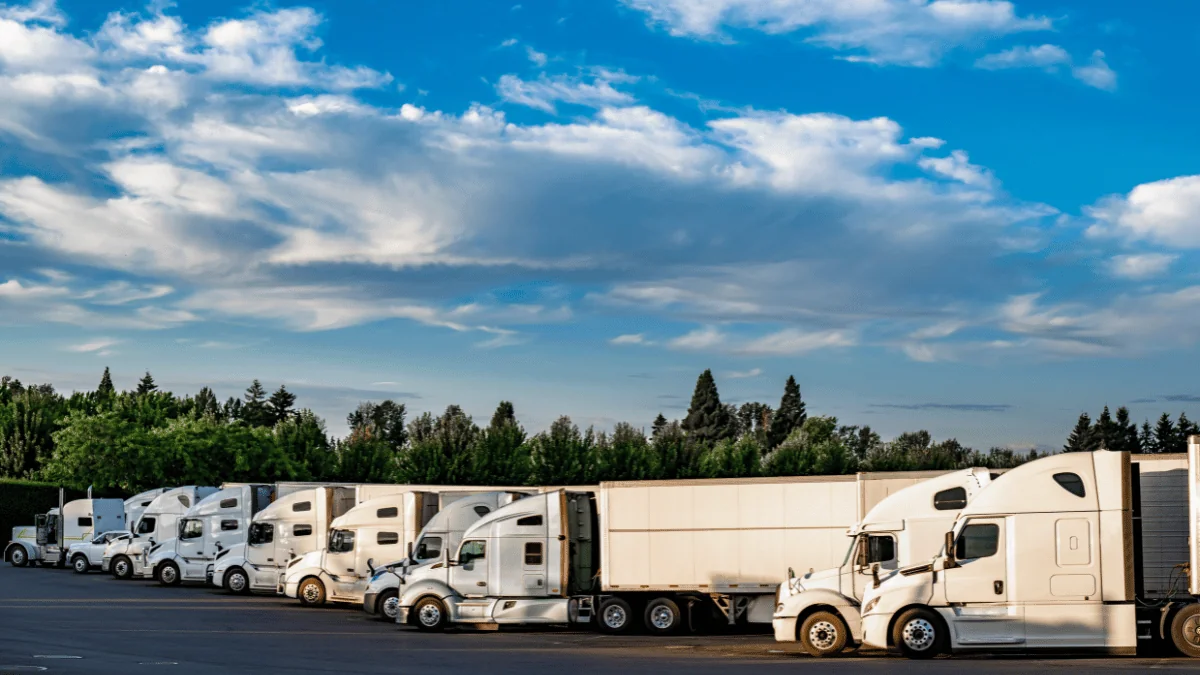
point(311, 592)
point(429, 615)
point(1185, 631)
point(919, 634)
point(822, 634)
point(387, 605)
point(18, 557)
point(80, 564)
point(237, 581)
point(615, 616)
point(167, 574)
point(662, 616)
point(122, 567)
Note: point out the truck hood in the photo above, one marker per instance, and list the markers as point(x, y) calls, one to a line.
point(307, 561)
point(824, 579)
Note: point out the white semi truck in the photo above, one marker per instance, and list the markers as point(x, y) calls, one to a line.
point(444, 531)
point(79, 520)
point(666, 553)
point(1071, 552)
point(820, 610)
point(137, 504)
point(378, 529)
point(125, 557)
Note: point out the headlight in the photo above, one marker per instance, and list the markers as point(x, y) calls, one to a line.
point(870, 605)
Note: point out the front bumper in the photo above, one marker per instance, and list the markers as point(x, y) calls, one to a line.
point(875, 630)
point(785, 628)
point(369, 603)
point(402, 615)
point(291, 589)
point(105, 564)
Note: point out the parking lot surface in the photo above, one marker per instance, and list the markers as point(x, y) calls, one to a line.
point(56, 621)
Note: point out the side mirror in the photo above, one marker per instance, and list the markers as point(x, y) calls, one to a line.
point(950, 561)
point(371, 566)
point(875, 574)
point(791, 573)
point(410, 550)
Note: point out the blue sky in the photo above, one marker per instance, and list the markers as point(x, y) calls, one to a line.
point(971, 216)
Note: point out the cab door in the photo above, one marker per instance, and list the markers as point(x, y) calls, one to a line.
point(341, 558)
point(469, 575)
point(977, 590)
point(871, 549)
point(191, 540)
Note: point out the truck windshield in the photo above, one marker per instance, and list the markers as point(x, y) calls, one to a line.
point(341, 541)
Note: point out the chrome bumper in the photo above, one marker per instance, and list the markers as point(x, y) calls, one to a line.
point(369, 603)
point(402, 615)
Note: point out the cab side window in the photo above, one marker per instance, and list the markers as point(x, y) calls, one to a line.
point(977, 541)
point(430, 548)
point(880, 549)
point(191, 529)
point(472, 551)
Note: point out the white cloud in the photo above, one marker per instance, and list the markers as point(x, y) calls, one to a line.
point(1024, 56)
point(535, 57)
point(509, 42)
point(632, 339)
point(904, 32)
point(1142, 265)
point(958, 167)
point(123, 292)
point(1096, 73)
point(1165, 212)
point(791, 341)
point(545, 91)
point(706, 338)
point(745, 374)
point(97, 345)
point(942, 329)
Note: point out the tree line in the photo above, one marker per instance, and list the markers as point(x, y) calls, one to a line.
point(146, 437)
point(1122, 435)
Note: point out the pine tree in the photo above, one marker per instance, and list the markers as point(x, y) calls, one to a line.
point(660, 423)
point(146, 384)
point(1146, 441)
point(106, 385)
point(1164, 434)
point(790, 415)
point(1183, 429)
point(254, 410)
point(505, 414)
point(1126, 435)
point(1106, 431)
point(1083, 436)
point(279, 406)
point(707, 420)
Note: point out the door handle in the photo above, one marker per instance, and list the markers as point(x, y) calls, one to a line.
point(998, 586)
point(481, 583)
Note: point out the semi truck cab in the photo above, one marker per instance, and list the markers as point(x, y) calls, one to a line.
point(46, 542)
point(213, 524)
point(125, 557)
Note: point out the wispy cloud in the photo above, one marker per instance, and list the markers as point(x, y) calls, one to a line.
point(99, 346)
point(631, 339)
point(955, 407)
point(1181, 398)
point(744, 374)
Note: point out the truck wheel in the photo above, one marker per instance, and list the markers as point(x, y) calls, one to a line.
point(615, 616)
point(311, 592)
point(168, 574)
point(429, 614)
point(80, 564)
point(823, 634)
point(388, 605)
point(18, 557)
point(662, 616)
point(122, 567)
point(919, 634)
point(1185, 630)
point(236, 581)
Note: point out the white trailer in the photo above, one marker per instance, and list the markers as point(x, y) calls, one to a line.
point(379, 528)
point(215, 523)
point(821, 609)
point(1071, 552)
point(666, 553)
point(46, 542)
point(125, 557)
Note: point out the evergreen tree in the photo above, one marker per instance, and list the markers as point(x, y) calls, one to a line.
point(790, 415)
point(1126, 433)
point(500, 455)
point(1184, 428)
point(505, 414)
point(1164, 434)
point(254, 410)
point(146, 384)
point(279, 406)
point(660, 423)
point(707, 420)
point(444, 454)
point(106, 384)
point(232, 410)
point(1083, 437)
point(1106, 431)
point(1146, 441)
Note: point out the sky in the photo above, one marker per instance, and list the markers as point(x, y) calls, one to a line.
point(975, 217)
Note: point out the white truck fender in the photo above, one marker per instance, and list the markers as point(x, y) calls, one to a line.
point(223, 565)
point(300, 572)
point(30, 551)
point(804, 603)
point(410, 593)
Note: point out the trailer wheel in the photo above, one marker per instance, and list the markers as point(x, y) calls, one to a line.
point(80, 564)
point(615, 616)
point(388, 605)
point(18, 557)
point(662, 616)
point(311, 592)
point(919, 633)
point(236, 581)
point(1185, 630)
point(122, 567)
point(429, 614)
point(823, 634)
point(168, 574)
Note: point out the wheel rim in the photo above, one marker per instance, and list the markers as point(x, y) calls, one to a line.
point(168, 574)
point(918, 635)
point(391, 607)
point(18, 557)
point(662, 617)
point(237, 582)
point(430, 614)
point(122, 568)
point(1191, 631)
point(80, 565)
point(614, 616)
point(312, 593)
point(823, 635)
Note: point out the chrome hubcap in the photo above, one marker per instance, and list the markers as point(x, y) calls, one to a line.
point(430, 614)
point(122, 568)
point(168, 574)
point(614, 616)
point(237, 582)
point(391, 607)
point(1191, 631)
point(918, 635)
point(662, 617)
point(311, 592)
point(81, 564)
point(823, 635)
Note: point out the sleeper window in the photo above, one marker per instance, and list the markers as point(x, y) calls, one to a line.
point(977, 541)
point(302, 506)
point(953, 499)
point(85, 522)
point(301, 530)
point(228, 503)
point(529, 521)
point(1071, 482)
point(533, 553)
point(184, 500)
point(482, 511)
point(390, 512)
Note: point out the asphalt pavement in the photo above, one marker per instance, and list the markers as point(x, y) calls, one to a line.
point(56, 621)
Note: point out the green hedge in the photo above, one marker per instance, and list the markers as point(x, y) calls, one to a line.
point(20, 500)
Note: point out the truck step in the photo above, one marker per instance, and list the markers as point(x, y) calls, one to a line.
point(480, 627)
